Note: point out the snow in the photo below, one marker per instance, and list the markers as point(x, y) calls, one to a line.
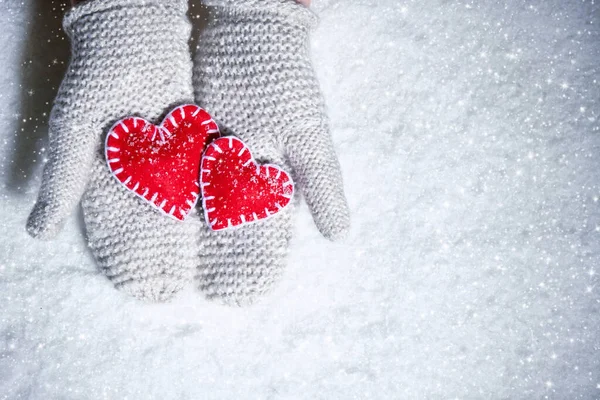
point(468, 135)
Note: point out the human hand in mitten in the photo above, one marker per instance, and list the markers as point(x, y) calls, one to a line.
point(129, 57)
point(253, 74)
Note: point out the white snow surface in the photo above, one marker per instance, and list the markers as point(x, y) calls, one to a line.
point(468, 132)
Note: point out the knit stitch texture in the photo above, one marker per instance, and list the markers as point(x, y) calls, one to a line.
point(129, 57)
point(254, 75)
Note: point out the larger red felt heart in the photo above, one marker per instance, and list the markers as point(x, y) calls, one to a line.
point(236, 190)
point(161, 164)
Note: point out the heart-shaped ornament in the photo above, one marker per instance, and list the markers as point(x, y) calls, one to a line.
point(161, 164)
point(238, 191)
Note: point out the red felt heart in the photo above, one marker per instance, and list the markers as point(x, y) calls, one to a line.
point(236, 190)
point(161, 164)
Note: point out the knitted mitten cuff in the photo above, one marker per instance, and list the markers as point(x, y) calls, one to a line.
point(97, 10)
point(265, 11)
point(102, 20)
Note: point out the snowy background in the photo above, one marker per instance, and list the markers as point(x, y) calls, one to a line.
point(469, 137)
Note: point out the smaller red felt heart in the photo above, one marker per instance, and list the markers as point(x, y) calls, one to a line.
point(161, 164)
point(238, 191)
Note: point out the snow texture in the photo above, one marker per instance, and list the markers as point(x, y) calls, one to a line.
point(468, 132)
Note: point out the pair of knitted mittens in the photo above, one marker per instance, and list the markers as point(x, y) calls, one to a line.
point(252, 73)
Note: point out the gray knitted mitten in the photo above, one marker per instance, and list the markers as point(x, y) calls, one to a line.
point(129, 57)
point(253, 74)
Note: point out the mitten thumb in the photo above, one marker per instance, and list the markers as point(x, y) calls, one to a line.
point(64, 179)
point(317, 171)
